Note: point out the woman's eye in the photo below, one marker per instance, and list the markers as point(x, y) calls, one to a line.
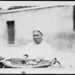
point(35, 35)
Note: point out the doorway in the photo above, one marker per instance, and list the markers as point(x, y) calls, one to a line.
point(74, 18)
point(11, 32)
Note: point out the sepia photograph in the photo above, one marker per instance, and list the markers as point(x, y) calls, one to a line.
point(37, 37)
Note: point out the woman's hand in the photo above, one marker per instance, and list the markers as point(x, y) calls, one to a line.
point(25, 57)
point(38, 59)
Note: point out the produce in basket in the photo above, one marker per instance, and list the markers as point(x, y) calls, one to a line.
point(19, 62)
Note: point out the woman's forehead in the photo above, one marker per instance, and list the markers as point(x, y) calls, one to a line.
point(36, 32)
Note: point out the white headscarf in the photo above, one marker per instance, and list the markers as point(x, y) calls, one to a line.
point(39, 30)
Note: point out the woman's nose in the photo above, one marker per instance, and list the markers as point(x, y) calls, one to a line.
point(35, 37)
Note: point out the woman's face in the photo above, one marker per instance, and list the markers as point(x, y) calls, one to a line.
point(37, 37)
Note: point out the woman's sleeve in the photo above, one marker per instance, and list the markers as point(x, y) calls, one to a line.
point(49, 55)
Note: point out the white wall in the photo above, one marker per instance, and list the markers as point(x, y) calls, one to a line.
point(3, 31)
point(50, 20)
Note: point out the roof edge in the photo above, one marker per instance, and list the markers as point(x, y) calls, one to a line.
point(32, 8)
